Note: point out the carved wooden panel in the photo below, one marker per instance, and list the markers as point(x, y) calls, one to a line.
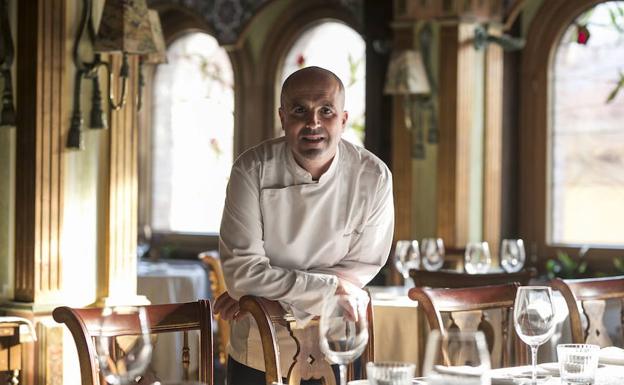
point(596, 332)
point(310, 362)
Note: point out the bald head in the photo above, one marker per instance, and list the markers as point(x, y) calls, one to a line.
point(312, 78)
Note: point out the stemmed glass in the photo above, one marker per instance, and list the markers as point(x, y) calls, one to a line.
point(432, 252)
point(456, 357)
point(406, 257)
point(123, 359)
point(534, 317)
point(512, 255)
point(343, 330)
point(477, 258)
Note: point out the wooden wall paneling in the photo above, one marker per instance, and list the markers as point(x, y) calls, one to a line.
point(456, 111)
point(41, 102)
point(492, 179)
point(401, 154)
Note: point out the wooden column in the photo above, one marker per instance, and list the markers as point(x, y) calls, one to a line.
point(493, 157)
point(40, 120)
point(456, 101)
point(401, 154)
point(40, 136)
point(117, 268)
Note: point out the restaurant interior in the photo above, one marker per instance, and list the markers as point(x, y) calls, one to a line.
point(502, 122)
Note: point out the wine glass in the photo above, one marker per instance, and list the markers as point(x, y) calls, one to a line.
point(534, 317)
point(406, 257)
point(456, 357)
point(123, 359)
point(343, 330)
point(432, 252)
point(477, 258)
point(512, 255)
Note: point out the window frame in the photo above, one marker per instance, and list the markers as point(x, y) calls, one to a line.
point(177, 22)
point(544, 34)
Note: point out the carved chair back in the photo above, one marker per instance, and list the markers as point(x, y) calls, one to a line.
point(217, 287)
point(310, 362)
point(84, 325)
point(590, 296)
point(485, 308)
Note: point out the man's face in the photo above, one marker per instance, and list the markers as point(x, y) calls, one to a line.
point(313, 119)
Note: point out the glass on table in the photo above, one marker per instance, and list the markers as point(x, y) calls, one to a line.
point(390, 373)
point(477, 258)
point(456, 357)
point(406, 257)
point(534, 319)
point(122, 359)
point(432, 253)
point(577, 363)
point(512, 255)
point(343, 329)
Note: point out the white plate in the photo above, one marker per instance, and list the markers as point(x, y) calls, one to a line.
point(550, 367)
point(611, 356)
point(415, 381)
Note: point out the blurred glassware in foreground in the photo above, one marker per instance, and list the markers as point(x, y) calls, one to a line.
point(456, 357)
point(390, 373)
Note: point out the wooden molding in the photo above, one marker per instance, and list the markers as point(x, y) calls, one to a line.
point(41, 103)
point(473, 10)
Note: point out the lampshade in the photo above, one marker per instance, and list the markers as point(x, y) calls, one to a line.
point(160, 55)
point(406, 74)
point(125, 27)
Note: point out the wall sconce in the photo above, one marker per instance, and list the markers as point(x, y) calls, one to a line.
point(124, 28)
point(509, 43)
point(407, 77)
point(7, 117)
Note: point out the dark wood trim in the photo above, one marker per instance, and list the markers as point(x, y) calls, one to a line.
point(545, 30)
point(40, 143)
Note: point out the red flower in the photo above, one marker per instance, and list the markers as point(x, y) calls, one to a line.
point(582, 34)
point(300, 60)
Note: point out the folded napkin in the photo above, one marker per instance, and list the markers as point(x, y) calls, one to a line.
point(611, 355)
point(515, 375)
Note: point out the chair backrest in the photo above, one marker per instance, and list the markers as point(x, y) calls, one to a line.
point(217, 287)
point(454, 279)
point(84, 325)
point(591, 294)
point(485, 308)
point(309, 362)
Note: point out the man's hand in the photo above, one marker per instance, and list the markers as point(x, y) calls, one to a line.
point(226, 307)
point(353, 299)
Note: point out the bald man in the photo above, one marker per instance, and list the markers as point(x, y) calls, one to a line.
point(307, 216)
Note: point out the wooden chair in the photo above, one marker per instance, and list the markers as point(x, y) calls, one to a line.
point(217, 287)
point(590, 295)
point(84, 325)
point(310, 362)
point(476, 308)
point(454, 279)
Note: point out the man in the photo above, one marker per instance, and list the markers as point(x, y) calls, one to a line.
point(306, 216)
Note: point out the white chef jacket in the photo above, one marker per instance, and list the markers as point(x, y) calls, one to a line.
point(287, 237)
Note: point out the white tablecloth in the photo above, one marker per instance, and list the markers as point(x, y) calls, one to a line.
point(170, 282)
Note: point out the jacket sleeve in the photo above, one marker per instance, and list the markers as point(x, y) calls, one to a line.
point(247, 269)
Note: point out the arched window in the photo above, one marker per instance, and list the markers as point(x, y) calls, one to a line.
point(586, 146)
point(193, 131)
point(340, 49)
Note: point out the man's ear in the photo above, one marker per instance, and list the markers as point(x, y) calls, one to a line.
point(345, 117)
point(281, 113)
